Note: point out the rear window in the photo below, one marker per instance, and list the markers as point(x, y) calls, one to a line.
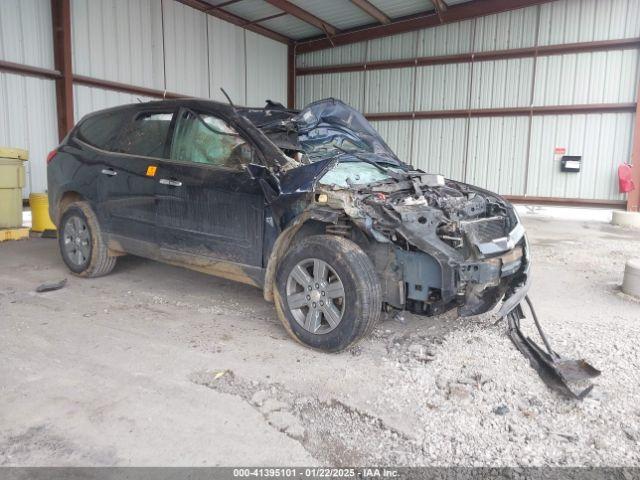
point(102, 130)
point(146, 135)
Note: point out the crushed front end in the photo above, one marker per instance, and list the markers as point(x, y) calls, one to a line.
point(436, 244)
point(439, 244)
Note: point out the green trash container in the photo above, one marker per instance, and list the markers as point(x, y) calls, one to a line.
point(11, 184)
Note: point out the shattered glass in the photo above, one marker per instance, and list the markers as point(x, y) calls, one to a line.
point(344, 174)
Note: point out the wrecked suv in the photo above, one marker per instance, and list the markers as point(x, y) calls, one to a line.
point(311, 206)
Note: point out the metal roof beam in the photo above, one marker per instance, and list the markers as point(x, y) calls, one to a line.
point(371, 10)
point(223, 4)
point(307, 17)
point(441, 8)
point(218, 12)
point(455, 13)
point(264, 19)
point(61, 29)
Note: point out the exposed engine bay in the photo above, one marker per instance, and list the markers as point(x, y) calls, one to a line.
point(436, 244)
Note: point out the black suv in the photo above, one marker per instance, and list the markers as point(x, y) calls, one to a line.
point(311, 206)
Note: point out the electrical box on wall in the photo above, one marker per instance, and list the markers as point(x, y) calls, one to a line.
point(570, 163)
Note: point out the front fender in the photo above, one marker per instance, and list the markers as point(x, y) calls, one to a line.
point(284, 240)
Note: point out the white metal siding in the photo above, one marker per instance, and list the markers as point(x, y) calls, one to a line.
point(580, 78)
point(502, 83)
point(227, 61)
point(495, 149)
point(266, 70)
point(439, 146)
point(348, 87)
point(571, 21)
point(164, 44)
point(507, 30)
point(448, 39)
point(186, 55)
point(25, 32)
point(397, 134)
point(392, 48)
point(28, 121)
point(89, 99)
point(389, 90)
point(603, 141)
point(118, 40)
point(443, 87)
point(353, 52)
point(497, 154)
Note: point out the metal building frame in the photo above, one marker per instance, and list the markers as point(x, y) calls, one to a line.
point(384, 26)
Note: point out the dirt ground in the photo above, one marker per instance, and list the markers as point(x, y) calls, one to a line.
point(156, 365)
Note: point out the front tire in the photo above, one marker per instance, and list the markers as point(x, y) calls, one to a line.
point(82, 246)
point(328, 294)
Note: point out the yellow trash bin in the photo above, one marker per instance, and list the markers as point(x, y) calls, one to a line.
point(40, 220)
point(11, 184)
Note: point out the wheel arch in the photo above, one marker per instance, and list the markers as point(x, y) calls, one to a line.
point(309, 222)
point(67, 198)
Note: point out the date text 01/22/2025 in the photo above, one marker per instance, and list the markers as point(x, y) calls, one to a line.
point(314, 473)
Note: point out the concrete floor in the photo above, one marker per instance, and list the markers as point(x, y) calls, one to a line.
point(156, 365)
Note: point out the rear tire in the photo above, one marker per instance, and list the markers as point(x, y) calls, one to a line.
point(327, 293)
point(82, 245)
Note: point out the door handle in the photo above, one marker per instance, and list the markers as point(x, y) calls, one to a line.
point(109, 171)
point(170, 182)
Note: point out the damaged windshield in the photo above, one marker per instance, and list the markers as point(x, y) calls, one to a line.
point(330, 129)
point(346, 174)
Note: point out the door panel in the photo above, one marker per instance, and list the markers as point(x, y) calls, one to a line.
point(127, 197)
point(213, 213)
point(127, 201)
point(208, 206)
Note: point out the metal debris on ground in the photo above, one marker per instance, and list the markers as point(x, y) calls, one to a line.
point(566, 376)
point(51, 286)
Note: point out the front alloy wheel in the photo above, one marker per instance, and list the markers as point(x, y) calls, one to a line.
point(327, 292)
point(315, 296)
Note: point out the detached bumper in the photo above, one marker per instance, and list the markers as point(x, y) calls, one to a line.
point(568, 377)
point(514, 299)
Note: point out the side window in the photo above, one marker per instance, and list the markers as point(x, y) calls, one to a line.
point(209, 140)
point(102, 130)
point(146, 135)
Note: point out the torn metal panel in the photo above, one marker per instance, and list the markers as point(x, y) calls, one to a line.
point(566, 376)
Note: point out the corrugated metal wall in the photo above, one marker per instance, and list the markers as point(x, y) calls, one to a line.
point(28, 105)
point(181, 50)
point(28, 120)
point(512, 155)
point(158, 44)
point(118, 40)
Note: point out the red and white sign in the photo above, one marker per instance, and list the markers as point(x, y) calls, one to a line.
point(560, 150)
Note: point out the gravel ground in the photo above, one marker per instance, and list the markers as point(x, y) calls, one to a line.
point(155, 365)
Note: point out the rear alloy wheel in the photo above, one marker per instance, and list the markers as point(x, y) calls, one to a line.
point(327, 292)
point(81, 243)
point(76, 240)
